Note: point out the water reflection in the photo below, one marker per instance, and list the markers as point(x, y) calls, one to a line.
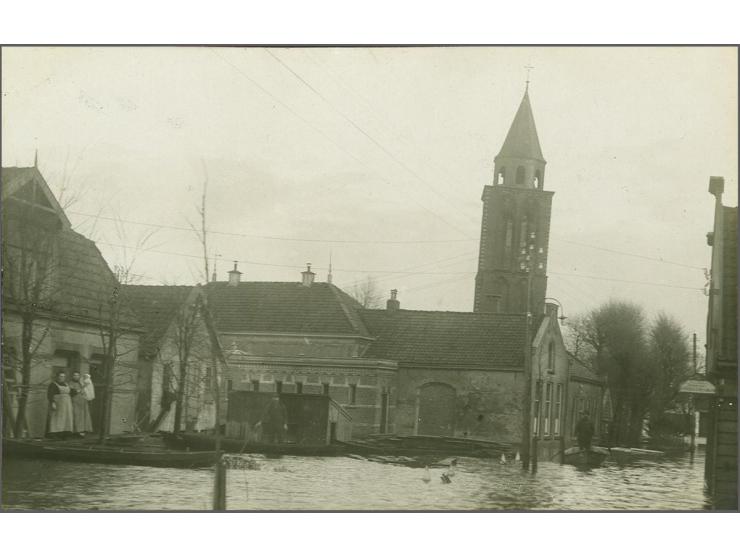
point(337, 483)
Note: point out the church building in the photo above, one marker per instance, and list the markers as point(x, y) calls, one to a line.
point(515, 228)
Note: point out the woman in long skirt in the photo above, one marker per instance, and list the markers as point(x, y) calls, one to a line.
point(61, 420)
point(82, 423)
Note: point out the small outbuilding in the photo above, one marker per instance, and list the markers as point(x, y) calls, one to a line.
point(311, 419)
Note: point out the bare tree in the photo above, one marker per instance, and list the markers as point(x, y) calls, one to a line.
point(115, 319)
point(31, 265)
point(367, 293)
point(189, 341)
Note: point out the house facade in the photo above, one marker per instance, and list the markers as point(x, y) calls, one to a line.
point(175, 352)
point(59, 312)
point(303, 337)
point(721, 365)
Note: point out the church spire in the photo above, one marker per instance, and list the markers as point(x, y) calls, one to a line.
point(520, 162)
point(522, 141)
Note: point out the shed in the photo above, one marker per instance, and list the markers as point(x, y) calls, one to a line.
point(311, 419)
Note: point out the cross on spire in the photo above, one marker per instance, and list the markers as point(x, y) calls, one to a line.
point(528, 68)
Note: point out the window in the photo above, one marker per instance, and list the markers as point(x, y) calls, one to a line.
point(538, 179)
point(299, 387)
point(548, 407)
point(500, 177)
point(509, 233)
point(551, 357)
point(352, 393)
point(255, 385)
point(325, 388)
point(229, 385)
point(278, 386)
point(536, 418)
point(523, 233)
point(558, 408)
point(520, 175)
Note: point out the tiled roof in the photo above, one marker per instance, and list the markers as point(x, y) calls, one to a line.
point(580, 370)
point(446, 338)
point(284, 307)
point(522, 142)
point(729, 284)
point(14, 177)
point(82, 282)
point(697, 384)
point(86, 281)
point(155, 306)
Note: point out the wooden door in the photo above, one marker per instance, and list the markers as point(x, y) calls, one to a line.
point(437, 410)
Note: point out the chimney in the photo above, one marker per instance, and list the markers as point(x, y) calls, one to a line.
point(308, 275)
point(551, 310)
point(717, 186)
point(393, 304)
point(234, 276)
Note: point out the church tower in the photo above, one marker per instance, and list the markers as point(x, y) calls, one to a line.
point(515, 227)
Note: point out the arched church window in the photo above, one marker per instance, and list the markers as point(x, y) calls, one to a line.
point(538, 179)
point(523, 232)
point(551, 357)
point(500, 176)
point(520, 175)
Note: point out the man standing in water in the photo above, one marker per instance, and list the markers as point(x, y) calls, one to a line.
point(584, 431)
point(274, 421)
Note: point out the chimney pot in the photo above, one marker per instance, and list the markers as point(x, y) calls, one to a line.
point(234, 276)
point(716, 186)
point(307, 276)
point(393, 304)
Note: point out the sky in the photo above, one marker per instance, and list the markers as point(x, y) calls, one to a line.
point(377, 158)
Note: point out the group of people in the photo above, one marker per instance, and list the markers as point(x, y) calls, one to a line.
point(69, 412)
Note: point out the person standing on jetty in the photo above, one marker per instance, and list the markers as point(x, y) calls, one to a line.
point(61, 418)
point(584, 431)
point(82, 422)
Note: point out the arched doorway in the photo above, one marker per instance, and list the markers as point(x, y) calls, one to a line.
point(436, 410)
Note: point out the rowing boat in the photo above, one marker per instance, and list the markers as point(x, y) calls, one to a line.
point(80, 452)
point(587, 458)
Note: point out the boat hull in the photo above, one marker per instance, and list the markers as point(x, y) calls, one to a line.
point(586, 458)
point(16, 448)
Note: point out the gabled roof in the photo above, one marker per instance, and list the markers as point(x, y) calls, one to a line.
point(14, 179)
point(284, 307)
point(459, 339)
point(156, 307)
point(697, 384)
point(80, 283)
point(522, 142)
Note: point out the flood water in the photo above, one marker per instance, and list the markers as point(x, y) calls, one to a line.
point(343, 483)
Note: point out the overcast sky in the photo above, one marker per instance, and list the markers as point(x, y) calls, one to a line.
point(379, 156)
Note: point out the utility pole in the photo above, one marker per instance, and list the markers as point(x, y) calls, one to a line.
point(692, 412)
point(527, 264)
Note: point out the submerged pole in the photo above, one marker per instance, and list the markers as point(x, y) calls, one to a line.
point(219, 484)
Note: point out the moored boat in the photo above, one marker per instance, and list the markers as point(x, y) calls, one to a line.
point(101, 454)
point(202, 441)
point(587, 458)
point(627, 454)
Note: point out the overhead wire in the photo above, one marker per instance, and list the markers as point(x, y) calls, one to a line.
point(359, 128)
point(392, 272)
point(328, 138)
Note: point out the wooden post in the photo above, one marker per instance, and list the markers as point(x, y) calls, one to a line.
point(219, 484)
point(692, 422)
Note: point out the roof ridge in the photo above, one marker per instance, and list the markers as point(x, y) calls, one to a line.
point(337, 292)
point(476, 313)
